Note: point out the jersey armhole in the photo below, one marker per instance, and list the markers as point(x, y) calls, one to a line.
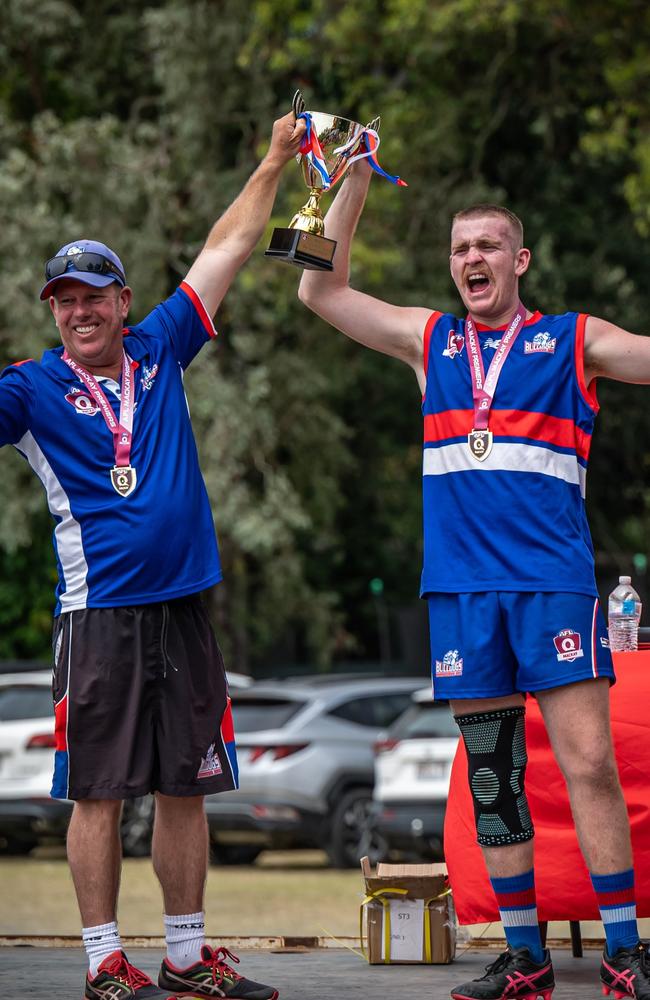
point(428, 331)
point(588, 392)
point(197, 302)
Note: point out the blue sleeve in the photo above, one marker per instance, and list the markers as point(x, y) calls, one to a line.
point(182, 321)
point(16, 400)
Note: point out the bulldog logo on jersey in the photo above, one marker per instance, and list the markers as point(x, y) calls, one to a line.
point(455, 344)
point(542, 343)
point(568, 645)
point(82, 402)
point(451, 664)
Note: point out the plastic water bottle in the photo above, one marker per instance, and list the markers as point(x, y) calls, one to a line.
point(624, 614)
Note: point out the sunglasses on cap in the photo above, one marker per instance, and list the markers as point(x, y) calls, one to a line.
point(95, 263)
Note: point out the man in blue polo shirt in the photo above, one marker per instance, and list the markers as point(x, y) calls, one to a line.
point(141, 702)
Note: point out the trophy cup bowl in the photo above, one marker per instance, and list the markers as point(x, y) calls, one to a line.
point(302, 242)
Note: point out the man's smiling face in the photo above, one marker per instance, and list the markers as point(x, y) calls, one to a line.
point(90, 321)
point(486, 265)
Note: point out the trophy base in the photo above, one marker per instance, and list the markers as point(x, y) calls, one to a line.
point(295, 246)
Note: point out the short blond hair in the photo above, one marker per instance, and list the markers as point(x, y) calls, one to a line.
point(478, 211)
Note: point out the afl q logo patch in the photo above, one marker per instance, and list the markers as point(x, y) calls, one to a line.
point(82, 402)
point(568, 645)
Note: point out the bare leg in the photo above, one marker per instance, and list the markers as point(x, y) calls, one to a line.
point(578, 726)
point(180, 852)
point(95, 858)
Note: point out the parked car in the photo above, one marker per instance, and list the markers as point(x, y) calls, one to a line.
point(412, 771)
point(27, 813)
point(305, 749)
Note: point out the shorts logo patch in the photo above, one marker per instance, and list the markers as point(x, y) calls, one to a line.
point(451, 664)
point(542, 343)
point(604, 642)
point(210, 764)
point(455, 344)
point(568, 645)
point(82, 402)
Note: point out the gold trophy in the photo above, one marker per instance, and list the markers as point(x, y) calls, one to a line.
point(302, 243)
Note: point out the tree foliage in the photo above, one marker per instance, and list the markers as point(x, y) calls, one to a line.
point(137, 123)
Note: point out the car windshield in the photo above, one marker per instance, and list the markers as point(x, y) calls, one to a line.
point(25, 701)
point(425, 720)
point(253, 714)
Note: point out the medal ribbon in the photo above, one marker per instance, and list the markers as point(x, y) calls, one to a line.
point(122, 429)
point(484, 387)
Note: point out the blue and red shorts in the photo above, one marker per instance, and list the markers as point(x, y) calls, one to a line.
point(493, 644)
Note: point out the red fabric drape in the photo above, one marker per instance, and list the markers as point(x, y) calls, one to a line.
point(563, 888)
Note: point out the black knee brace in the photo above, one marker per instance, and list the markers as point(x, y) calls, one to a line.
point(496, 753)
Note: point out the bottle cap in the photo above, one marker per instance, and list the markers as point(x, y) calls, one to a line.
point(625, 579)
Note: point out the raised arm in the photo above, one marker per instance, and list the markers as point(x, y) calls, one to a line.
point(614, 353)
point(234, 236)
point(393, 330)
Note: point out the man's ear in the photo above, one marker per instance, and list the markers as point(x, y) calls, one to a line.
point(522, 261)
point(125, 298)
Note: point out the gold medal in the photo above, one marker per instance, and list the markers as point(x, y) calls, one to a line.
point(123, 478)
point(480, 444)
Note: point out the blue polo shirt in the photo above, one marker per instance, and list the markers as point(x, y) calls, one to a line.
point(159, 542)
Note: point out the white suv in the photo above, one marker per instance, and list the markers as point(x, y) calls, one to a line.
point(412, 771)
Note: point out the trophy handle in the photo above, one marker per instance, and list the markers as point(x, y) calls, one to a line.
point(375, 123)
point(297, 104)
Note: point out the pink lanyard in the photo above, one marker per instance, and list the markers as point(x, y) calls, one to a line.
point(484, 387)
point(123, 475)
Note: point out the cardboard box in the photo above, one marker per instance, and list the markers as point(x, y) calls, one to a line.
point(409, 915)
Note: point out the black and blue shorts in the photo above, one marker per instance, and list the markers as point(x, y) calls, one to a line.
point(141, 703)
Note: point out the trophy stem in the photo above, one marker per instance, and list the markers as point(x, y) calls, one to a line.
point(309, 219)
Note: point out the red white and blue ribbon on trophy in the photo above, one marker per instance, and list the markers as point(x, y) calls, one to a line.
point(366, 144)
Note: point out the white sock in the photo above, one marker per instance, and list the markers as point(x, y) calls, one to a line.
point(99, 942)
point(185, 934)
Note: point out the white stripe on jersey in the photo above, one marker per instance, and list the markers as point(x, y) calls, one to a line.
point(505, 457)
point(67, 533)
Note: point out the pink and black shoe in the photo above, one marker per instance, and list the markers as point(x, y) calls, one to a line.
point(513, 976)
point(627, 973)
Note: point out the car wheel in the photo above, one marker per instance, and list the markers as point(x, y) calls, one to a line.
point(17, 845)
point(352, 833)
point(234, 854)
point(137, 827)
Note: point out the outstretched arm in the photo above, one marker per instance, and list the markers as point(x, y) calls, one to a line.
point(234, 236)
point(394, 330)
point(614, 353)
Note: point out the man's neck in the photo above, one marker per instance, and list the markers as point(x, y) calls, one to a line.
point(500, 321)
point(112, 370)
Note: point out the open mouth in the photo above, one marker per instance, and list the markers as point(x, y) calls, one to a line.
point(477, 281)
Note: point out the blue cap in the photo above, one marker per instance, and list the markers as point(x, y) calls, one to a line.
point(88, 277)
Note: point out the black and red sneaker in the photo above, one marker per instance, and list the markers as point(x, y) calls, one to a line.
point(117, 979)
point(626, 973)
point(513, 976)
point(211, 976)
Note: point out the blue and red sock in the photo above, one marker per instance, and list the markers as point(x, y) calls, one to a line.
point(518, 909)
point(617, 904)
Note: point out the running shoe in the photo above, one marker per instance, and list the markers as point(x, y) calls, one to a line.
point(513, 976)
point(211, 976)
point(626, 973)
point(117, 979)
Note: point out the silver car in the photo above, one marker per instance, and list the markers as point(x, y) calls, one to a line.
point(305, 749)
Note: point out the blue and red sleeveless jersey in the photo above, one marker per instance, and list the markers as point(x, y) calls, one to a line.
point(515, 521)
point(158, 543)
